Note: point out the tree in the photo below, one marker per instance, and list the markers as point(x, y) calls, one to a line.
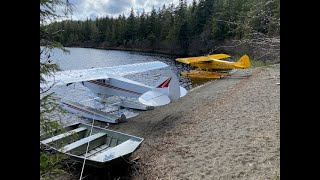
point(49, 162)
point(257, 28)
point(132, 26)
point(196, 29)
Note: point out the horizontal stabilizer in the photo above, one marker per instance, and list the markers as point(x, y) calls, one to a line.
point(183, 91)
point(154, 98)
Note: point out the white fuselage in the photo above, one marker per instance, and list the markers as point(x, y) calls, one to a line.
point(118, 86)
point(167, 91)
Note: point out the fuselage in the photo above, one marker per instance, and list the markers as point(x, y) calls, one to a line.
point(116, 87)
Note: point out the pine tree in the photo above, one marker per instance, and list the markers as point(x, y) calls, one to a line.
point(49, 166)
point(182, 29)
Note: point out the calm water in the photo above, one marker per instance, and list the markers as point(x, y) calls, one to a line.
point(82, 58)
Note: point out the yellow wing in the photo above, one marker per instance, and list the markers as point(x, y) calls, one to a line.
point(202, 58)
point(219, 56)
point(193, 59)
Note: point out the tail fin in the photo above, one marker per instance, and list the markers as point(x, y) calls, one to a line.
point(158, 96)
point(167, 90)
point(174, 89)
point(163, 82)
point(244, 62)
point(170, 85)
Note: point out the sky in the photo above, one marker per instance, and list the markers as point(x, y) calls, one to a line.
point(83, 9)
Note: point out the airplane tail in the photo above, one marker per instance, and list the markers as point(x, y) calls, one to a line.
point(171, 86)
point(166, 90)
point(243, 62)
point(163, 82)
point(175, 91)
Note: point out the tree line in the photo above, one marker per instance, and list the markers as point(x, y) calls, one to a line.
point(184, 29)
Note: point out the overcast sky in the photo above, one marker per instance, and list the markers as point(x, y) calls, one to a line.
point(100, 8)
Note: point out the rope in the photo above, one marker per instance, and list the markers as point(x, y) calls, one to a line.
point(85, 156)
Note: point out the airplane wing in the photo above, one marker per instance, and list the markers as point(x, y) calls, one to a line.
point(71, 76)
point(134, 68)
point(202, 58)
point(219, 56)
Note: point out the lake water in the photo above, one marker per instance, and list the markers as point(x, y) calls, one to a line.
point(83, 58)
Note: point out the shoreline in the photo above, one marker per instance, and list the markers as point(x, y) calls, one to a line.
point(155, 52)
point(224, 129)
point(227, 128)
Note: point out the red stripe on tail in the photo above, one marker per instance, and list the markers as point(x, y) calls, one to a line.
point(165, 83)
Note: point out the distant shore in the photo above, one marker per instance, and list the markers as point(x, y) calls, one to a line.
point(159, 52)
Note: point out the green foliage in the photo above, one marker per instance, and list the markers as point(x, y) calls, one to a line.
point(48, 9)
point(183, 29)
point(49, 111)
point(49, 165)
point(49, 39)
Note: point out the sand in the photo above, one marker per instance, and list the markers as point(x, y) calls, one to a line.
point(226, 129)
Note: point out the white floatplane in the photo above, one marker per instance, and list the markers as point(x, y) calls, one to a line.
point(108, 81)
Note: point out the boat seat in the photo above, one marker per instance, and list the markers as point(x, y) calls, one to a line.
point(64, 135)
point(81, 142)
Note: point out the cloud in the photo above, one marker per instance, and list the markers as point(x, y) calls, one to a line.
point(116, 7)
point(100, 8)
point(140, 3)
point(89, 9)
point(156, 4)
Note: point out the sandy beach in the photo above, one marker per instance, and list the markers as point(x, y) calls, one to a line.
point(226, 129)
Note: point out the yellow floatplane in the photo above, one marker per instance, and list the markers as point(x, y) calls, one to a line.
point(212, 66)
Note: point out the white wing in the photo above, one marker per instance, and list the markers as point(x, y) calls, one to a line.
point(71, 76)
point(134, 68)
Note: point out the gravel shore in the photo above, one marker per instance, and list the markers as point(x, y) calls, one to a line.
point(227, 129)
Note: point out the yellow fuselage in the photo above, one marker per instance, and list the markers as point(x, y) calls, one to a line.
point(207, 64)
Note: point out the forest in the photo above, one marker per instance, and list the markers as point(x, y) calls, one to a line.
point(202, 27)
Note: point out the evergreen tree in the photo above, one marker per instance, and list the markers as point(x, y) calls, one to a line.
point(49, 166)
point(193, 29)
